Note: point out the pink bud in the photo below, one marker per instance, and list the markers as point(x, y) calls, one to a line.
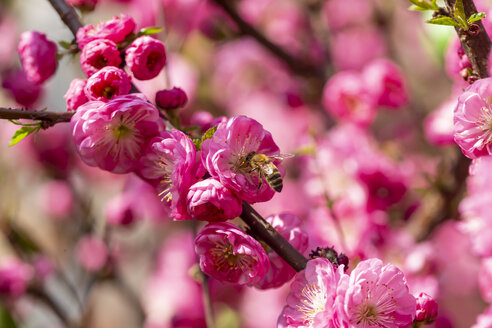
point(171, 99)
point(25, 92)
point(426, 309)
point(98, 54)
point(145, 57)
point(75, 95)
point(56, 199)
point(116, 29)
point(14, 277)
point(108, 83)
point(120, 211)
point(83, 4)
point(92, 253)
point(38, 56)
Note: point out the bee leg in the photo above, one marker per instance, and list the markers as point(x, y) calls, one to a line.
point(254, 169)
point(260, 183)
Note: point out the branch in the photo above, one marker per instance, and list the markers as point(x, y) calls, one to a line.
point(476, 47)
point(299, 66)
point(67, 15)
point(51, 118)
point(275, 240)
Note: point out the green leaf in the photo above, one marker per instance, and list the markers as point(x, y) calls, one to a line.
point(476, 17)
point(149, 31)
point(6, 320)
point(22, 133)
point(65, 44)
point(207, 135)
point(422, 4)
point(459, 14)
point(416, 8)
point(443, 20)
point(198, 143)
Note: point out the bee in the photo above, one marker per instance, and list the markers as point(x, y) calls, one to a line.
point(262, 164)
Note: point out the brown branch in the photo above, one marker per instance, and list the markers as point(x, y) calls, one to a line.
point(67, 15)
point(296, 65)
point(263, 230)
point(476, 47)
point(50, 118)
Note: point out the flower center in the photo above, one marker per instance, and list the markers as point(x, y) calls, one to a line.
point(121, 131)
point(224, 257)
point(108, 92)
point(367, 315)
point(312, 301)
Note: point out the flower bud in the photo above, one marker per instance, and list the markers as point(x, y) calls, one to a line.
point(171, 99)
point(75, 95)
point(14, 278)
point(116, 29)
point(120, 211)
point(145, 57)
point(86, 5)
point(38, 56)
point(92, 253)
point(426, 309)
point(98, 54)
point(25, 92)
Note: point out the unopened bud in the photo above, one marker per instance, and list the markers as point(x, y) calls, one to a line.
point(426, 309)
point(473, 29)
point(171, 99)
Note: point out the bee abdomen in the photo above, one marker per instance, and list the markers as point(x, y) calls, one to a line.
point(275, 181)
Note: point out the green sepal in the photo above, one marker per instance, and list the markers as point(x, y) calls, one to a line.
point(149, 31)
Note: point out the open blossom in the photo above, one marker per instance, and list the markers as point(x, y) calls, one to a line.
point(107, 83)
point(387, 83)
point(75, 95)
point(25, 92)
point(347, 97)
point(439, 124)
point(473, 119)
point(224, 156)
point(14, 277)
point(114, 135)
point(484, 320)
point(38, 56)
point(209, 200)
point(228, 254)
point(115, 29)
point(378, 296)
point(170, 163)
point(171, 99)
point(98, 54)
point(145, 57)
point(316, 297)
point(289, 226)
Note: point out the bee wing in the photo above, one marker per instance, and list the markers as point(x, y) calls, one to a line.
point(281, 157)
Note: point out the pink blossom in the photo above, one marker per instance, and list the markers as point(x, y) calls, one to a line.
point(14, 277)
point(44, 268)
point(92, 253)
point(98, 54)
point(108, 83)
point(145, 57)
point(25, 92)
point(289, 226)
point(316, 298)
point(56, 199)
point(75, 95)
point(473, 119)
point(378, 296)
point(115, 29)
point(426, 309)
point(171, 99)
point(228, 254)
point(171, 164)
point(439, 124)
point(209, 200)
point(387, 83)
point(120, 211)
point(346, 96)
point(114, 135)
point(484, 320)
point(224, 157)
point(38, 56)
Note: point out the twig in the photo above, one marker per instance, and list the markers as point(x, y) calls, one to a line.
point(476, 47)
point(67, 15)
point(49, 117)
point(299, 66)
point(275, 240)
